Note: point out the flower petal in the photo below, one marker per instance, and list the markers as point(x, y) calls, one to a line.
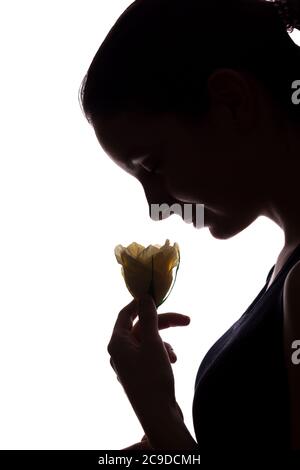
point(148, 268)
point(118, 251)
point(137, 276)
point(134, 249)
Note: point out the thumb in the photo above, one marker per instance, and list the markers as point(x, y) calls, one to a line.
point(165, 320)
point(148, 318)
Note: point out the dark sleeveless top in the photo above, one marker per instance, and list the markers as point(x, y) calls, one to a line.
point(241, 399)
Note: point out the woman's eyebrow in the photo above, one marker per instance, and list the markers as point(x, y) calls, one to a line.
point(139, 159)
point(132, 163)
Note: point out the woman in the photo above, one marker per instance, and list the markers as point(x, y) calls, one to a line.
point(195, 99)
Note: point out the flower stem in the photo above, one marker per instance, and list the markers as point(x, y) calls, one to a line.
point(151, 287)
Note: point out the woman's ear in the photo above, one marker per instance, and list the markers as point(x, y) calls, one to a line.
point(233, 98)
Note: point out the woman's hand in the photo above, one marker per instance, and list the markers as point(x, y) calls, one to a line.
point(141, 359)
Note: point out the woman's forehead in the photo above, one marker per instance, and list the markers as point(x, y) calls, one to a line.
point(124, 137)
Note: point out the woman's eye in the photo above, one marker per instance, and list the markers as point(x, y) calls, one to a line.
point(151, 167)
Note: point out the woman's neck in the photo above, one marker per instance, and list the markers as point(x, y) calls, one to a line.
point(283, 256)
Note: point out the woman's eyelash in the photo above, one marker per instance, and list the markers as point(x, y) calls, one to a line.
point(151, 167)
point(148, 165)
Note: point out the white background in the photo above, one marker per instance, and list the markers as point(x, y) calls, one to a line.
point(61, 287)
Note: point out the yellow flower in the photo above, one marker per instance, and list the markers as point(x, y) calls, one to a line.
point(148, 270)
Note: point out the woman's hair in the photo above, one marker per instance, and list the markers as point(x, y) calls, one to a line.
point(159, 54)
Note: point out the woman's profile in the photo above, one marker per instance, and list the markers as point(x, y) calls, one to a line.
point(194, 99)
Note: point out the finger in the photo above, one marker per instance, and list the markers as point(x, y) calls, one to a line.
point(126, 317)
point(113, 366)
point(171, 353)
point(148, 318)
point(165, 320)
point(169, 349)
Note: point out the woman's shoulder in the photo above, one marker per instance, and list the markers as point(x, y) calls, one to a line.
point(292, 279)
point(291, 294)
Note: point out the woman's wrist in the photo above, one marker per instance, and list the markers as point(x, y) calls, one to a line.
point(165, 429)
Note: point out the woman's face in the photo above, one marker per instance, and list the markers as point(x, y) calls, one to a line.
point(216, 161)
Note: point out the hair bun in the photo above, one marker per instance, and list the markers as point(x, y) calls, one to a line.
point(289, 10)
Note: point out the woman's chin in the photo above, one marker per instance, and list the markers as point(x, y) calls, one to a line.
point(224, 225)
point(224, 229)
point(220, 226)
point(219, 233)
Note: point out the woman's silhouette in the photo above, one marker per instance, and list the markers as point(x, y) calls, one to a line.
point(194, 99)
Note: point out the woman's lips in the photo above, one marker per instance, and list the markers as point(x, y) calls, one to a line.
point(205, 220)
point(197, 214)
